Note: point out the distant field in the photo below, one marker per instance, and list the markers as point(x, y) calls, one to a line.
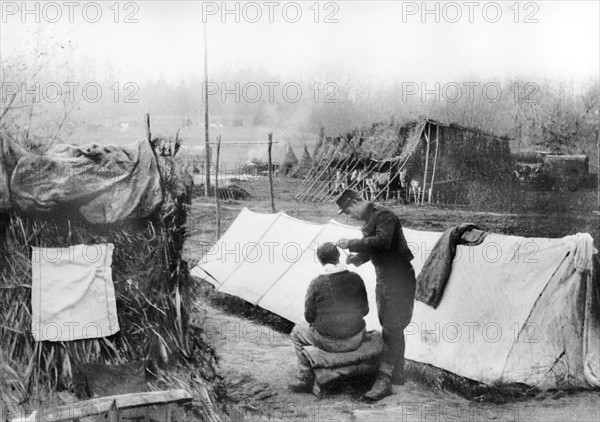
point(193, 137)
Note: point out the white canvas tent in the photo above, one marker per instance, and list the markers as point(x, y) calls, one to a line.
point(515, 309)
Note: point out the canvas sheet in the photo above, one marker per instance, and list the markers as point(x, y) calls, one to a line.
point(72, 293)
point(10, 153)
point(488, 326)
point(106, 184)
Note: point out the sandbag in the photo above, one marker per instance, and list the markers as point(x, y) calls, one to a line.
point(370, 349)
point(107, 184)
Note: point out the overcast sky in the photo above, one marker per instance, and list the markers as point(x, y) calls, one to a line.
point(377, 42)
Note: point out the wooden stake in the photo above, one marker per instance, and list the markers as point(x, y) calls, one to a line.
point(437, 146)
point(149, 139)
point(347, 174)
point(217, 187)
point(315, 166)
point(321, 194)
point(147, 124)
point(426, 164)
point(389, 181)
point(271, 173)
point(321, 172)
point(206, 123)
point(325, 169)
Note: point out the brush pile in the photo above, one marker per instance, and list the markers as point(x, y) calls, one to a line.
point(155, 301)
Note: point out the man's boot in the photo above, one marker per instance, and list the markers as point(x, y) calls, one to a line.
point(398, 377)
point(380, 389)
point(303, 384)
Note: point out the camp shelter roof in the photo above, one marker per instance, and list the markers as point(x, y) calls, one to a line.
point(318, 146)
point(515, 309)
point(470, 153)
point(306, 158)
point(290, 156)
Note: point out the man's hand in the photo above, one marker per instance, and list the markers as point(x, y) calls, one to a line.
point(342, 243)
point(354, 259)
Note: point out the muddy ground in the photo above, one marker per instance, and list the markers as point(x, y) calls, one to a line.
point(258, 361)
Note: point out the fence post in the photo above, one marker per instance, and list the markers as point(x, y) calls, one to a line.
point(217, 188)
point(271, 173)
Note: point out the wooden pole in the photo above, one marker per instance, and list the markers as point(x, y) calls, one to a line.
point(322, 194)
point(390, 179)
point(332, 150)
point(437, 147)
point(271, 173)
point(149, 139)
point(315, 166)
point(426, 164)
point(598, 169)
point(217, 187)
point(313, 170)
point(206, 122)
point(366, 189)
point(320, 187)
point(315, 180)
point(147, 124)
point(347, 174)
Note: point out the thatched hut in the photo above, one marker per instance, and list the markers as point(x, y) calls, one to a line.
point(289, 161)
point(440, 160)
point(155, 296)
point(303, 167)
point(451, 163)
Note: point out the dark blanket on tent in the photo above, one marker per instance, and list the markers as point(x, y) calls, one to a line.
point(434, 276)
point(106, 184)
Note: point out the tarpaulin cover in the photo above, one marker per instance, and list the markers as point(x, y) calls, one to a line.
point(72, 293)
point(515, 309)
point(106, 184)
point(10, 153)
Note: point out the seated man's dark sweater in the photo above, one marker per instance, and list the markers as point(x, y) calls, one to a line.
point(336, 304)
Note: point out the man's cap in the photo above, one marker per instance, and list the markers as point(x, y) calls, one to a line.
point(328, 252)
point(346, 199)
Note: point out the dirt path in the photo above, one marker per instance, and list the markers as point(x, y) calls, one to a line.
point(258, 363)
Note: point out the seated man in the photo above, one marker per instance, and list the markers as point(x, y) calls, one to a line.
point(336, 302)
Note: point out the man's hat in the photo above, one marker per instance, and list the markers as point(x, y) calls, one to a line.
point(346, 199)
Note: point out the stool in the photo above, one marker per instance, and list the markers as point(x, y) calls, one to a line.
point(328, 367)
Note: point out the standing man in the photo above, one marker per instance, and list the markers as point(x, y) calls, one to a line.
point(383, 243)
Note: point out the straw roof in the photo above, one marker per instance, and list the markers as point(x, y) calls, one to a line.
point(290, 157)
